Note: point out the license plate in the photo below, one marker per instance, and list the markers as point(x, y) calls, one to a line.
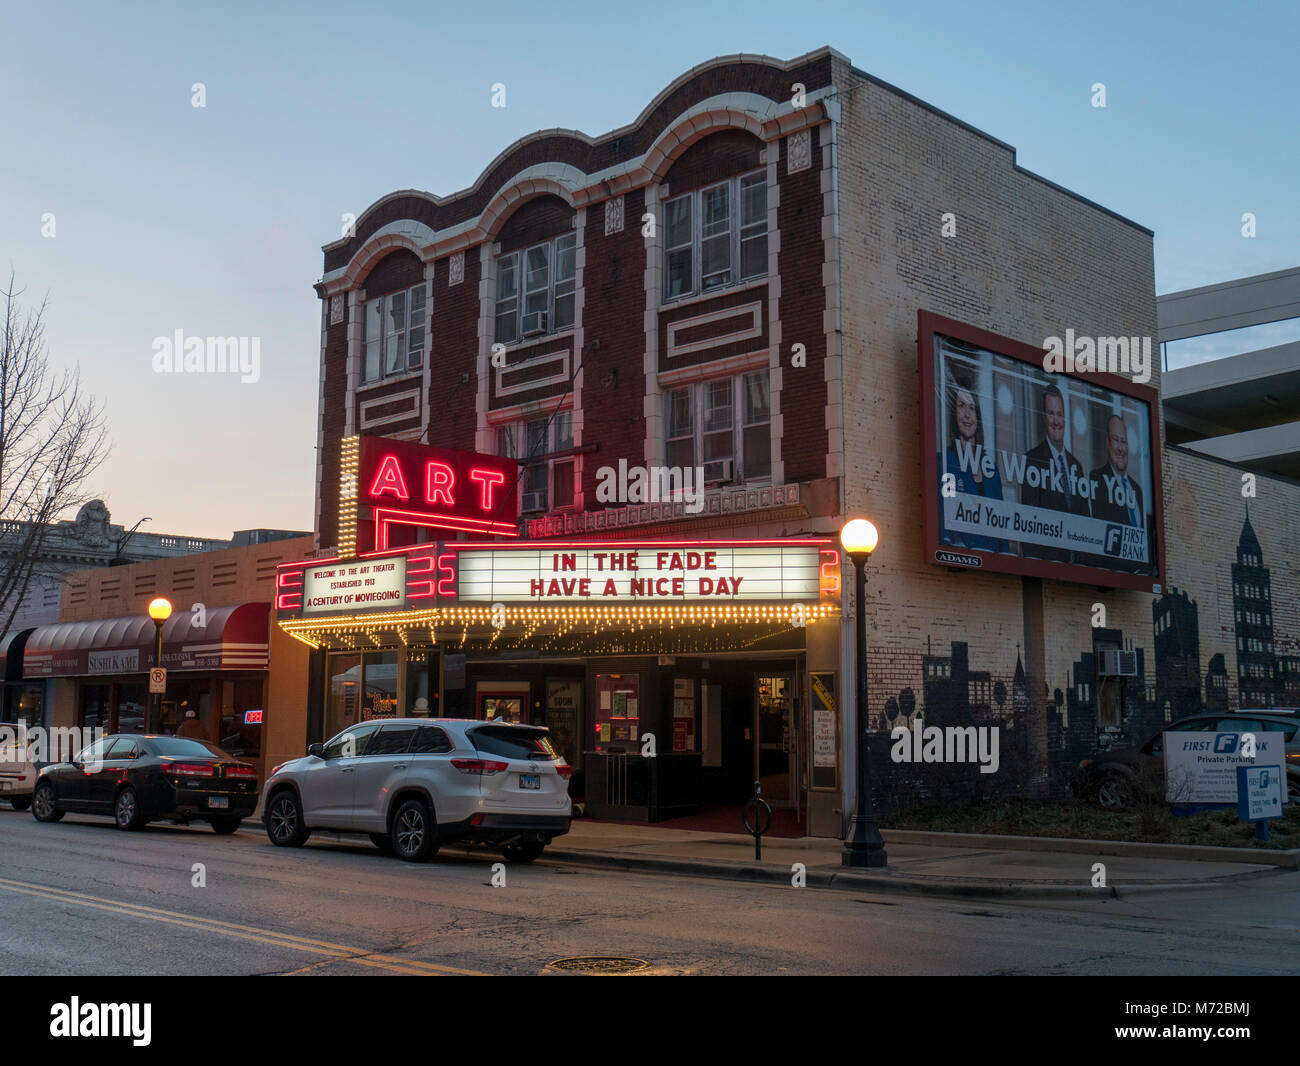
point(218, 802)
point(530, 780)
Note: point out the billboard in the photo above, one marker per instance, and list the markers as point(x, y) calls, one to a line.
point(1033, 472)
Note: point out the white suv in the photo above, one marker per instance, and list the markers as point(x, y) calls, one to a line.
point(17, 771)
point(415, 783)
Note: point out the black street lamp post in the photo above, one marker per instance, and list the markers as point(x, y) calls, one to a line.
point(159, 610)
point(866, 847)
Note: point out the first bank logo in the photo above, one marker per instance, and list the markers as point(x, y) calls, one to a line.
point(103, 1019)
point(1225, 743)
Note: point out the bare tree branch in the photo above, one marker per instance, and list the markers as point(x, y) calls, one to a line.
point(53, 437)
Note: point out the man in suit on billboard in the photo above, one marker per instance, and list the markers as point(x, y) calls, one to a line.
point(1118, 498)
point(1059, 474)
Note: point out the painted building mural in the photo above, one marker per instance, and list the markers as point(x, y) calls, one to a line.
point(1092, 709)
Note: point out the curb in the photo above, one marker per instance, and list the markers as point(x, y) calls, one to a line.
point(859, 882)
point(1138, 849)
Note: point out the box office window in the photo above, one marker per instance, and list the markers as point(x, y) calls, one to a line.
point(617, 715)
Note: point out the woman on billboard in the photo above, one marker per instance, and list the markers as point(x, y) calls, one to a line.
point(964, 460)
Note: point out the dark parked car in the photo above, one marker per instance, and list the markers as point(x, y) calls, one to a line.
point(1121, 776)
point(138, 779)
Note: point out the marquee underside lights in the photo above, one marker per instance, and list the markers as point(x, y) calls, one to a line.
point(613, 629)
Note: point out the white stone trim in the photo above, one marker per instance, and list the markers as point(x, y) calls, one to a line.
point(356, 298)
point(833, 314)
point(379, 401)
point(798, 151)
point(652, 403)
point(426, 378)
point(486, 327)
point(456, 269)
point(754, 311)
point(775, 375)
point(560, 374)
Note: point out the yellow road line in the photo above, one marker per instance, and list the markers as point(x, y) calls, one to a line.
point(242, 932)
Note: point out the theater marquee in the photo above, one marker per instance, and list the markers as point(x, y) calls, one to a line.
point(616, 575)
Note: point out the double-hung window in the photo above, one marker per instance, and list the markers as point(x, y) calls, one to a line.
point(716, 235)
point(548, 480)
point(724, 426)
point(536, 289)
point(394, 334)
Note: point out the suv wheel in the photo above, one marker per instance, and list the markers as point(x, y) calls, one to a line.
point(415, 834)
point(284, 824)
point(224, 824)
point(126, 809)
point(43, 809)
point(523, 850)
point(1292, 790)
point(1115, 792)
point(21, 803)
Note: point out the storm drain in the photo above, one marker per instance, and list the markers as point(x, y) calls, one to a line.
point(600, 964)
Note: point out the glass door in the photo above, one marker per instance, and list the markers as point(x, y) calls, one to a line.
point(775, 757)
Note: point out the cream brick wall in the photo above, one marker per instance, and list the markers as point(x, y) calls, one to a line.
point(1028, 261)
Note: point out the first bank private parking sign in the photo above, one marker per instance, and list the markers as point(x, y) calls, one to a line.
point(1202, 767)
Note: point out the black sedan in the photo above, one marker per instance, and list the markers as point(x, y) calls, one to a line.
point(137, 779)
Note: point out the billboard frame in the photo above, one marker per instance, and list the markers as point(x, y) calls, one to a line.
point(928, 325)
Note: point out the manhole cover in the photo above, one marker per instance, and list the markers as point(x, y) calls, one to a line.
point(608, 964)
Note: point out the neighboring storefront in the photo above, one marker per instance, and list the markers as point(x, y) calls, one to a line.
point(225, 659)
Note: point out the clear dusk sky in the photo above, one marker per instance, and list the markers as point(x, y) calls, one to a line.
point(210, 220)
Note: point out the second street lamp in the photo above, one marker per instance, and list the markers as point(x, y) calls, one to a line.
point(866, 848)
point(159, 610)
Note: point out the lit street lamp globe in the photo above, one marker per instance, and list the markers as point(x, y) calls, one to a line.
point(160, 609)
point(859, 537)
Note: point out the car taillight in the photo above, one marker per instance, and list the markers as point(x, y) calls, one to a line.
point(479, 766)
point(241, 771)
point(191, 769)
point(563, 769)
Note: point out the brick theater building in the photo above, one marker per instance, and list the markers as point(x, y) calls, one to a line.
point(786, 277)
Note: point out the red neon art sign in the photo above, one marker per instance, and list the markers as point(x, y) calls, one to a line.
point(404, 487)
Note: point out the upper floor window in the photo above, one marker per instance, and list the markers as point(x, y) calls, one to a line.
point(716, 235)
point(535, 289)
point(724, 426)
point(394, 334)
point(548, 481)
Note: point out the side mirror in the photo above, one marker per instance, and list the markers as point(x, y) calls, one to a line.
point(316, 749)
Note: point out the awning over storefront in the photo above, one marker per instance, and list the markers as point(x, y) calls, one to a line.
point(11, 652)
point(230, 638)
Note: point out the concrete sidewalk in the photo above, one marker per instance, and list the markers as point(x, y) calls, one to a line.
point(947, 864)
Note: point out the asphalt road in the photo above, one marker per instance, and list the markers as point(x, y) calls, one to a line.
point(82, 898)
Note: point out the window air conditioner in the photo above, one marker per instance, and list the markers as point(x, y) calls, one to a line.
point(534, 323)
point(717, 472)
point(1118, 663)
point(534, 501)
